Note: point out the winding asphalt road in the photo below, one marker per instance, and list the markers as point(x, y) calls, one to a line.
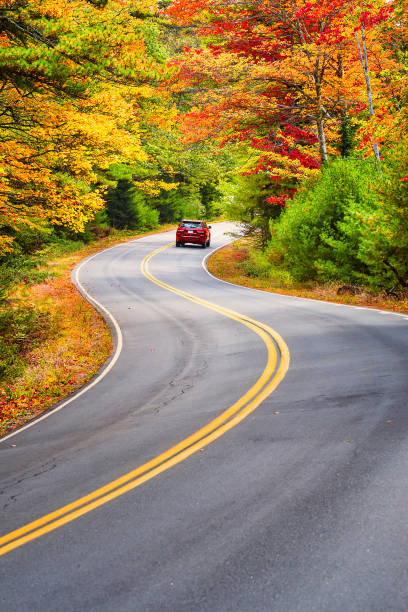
point(300, 506)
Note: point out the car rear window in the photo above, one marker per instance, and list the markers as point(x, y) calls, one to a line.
point(191, 224)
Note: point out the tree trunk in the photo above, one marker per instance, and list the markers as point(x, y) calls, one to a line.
point(322, 137)
point(401, 281)
point(346, 139)
point(364, 62)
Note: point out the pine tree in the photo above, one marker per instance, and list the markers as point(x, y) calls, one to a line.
point(120, 205)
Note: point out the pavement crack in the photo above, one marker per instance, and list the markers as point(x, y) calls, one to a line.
point(42, 469)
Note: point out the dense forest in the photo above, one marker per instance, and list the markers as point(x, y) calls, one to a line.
point(312, 98)
point(90, 124)
point(90, 146)
point(289, 116)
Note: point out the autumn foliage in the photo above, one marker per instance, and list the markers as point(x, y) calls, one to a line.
point(76, 76)
point(289, 84)
point(284, 77)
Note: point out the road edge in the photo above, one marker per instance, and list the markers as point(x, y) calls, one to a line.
point(293, 297)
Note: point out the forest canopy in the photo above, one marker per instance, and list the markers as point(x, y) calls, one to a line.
point(131, 113)
point(295, 86)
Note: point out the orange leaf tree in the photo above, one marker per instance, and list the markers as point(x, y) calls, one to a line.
point(276, 75)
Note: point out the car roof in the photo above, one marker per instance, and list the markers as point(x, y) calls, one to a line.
point(192, 221)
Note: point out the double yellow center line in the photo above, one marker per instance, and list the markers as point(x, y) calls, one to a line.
point(275, 370)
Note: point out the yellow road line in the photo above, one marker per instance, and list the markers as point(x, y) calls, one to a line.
point(267, 382)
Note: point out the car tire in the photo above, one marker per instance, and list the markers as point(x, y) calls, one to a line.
point(177, 244)
point(208, 243)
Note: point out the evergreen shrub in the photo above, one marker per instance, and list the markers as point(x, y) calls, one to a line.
point(317, 237)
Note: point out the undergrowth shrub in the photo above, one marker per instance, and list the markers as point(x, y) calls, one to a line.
point(22, 326)
point(21, 329)
point(316, 237)
point(20, 270)
point(259, 265)
point(383, 235)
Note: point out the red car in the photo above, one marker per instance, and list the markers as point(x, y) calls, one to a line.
point(193, 231)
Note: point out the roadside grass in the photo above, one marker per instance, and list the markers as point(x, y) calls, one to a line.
point(239, 263)
point(62, 340)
